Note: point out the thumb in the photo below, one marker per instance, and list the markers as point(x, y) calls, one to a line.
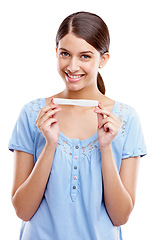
point(100, 117)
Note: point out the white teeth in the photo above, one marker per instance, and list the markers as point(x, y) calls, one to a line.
point(74, 77)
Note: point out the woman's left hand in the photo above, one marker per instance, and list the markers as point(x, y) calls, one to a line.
point(108, 126)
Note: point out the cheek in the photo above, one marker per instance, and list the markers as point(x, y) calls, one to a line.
point(91, 67)
point(60, 65)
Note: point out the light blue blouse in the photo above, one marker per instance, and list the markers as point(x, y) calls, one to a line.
point(73, 207)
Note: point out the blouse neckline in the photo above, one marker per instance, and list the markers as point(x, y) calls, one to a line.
point(84, 141)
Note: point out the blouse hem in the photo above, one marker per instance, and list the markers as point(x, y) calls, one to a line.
point(19, 148)
point(141, 154)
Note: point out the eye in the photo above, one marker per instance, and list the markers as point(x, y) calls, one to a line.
point(64, 54)
point(85, 56)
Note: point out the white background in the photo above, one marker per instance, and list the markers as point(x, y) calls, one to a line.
point(134, 75)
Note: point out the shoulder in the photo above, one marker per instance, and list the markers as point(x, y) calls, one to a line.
point(32, 108)
point(120, 109)
point(126, 114)
point(123, 109)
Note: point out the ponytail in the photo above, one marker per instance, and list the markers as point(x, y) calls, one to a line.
point(100, 84)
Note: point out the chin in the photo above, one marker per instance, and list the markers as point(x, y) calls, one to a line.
point(74, 88)
point(77, 86)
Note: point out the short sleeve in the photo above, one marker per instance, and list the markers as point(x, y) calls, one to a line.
point(134, 144)
point(22, 135)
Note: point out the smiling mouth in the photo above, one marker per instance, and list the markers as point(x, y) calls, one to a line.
point(73, 78)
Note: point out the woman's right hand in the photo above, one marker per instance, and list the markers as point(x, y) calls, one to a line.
point(47, 123)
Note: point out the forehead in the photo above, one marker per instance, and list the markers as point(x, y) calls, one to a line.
point(75, 44)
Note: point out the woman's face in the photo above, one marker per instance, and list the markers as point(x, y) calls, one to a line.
point(78, 62)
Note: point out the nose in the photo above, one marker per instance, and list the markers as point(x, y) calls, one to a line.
point(73, 65)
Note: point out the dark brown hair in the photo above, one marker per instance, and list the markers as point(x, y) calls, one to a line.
point(92, 29)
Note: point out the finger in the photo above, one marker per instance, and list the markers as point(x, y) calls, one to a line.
point(56, 114)
point(46, 125)
point(106, 120)
point(104, 112)
point(100, 116)
point(100, 105)
point(108, 127)
point(50, 121)
point(47, 115)
point(47, 108)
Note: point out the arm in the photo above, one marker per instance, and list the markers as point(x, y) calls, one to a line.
point(119, 188)
point(30, 180)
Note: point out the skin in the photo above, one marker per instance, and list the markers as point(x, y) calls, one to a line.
point(77, 59)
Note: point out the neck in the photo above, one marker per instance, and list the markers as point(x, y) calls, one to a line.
point(92, 94)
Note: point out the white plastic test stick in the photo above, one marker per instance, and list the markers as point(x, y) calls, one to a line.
point(77, 102)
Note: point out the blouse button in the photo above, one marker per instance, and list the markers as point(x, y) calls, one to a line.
point(75, 167)
point(75, 177)
point(75, 157)
point(76, 146)
point(74, 187)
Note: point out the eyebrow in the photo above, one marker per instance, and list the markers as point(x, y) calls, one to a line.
point(84, 52)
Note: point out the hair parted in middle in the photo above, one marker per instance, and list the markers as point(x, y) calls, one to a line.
point(92, 29)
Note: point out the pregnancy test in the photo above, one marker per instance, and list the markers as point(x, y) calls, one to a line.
point(77, 102)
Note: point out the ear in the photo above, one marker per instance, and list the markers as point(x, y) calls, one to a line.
point(56, 52)
point(104, 59)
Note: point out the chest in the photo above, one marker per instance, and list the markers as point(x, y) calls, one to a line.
point(81, 125)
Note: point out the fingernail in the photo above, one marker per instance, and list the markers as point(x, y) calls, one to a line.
point(96, 109)
point(100, 103)
point(52, 101)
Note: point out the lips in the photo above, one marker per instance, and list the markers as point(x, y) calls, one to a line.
point(73, 78)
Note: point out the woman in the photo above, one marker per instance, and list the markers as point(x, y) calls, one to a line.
point(76, 167)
